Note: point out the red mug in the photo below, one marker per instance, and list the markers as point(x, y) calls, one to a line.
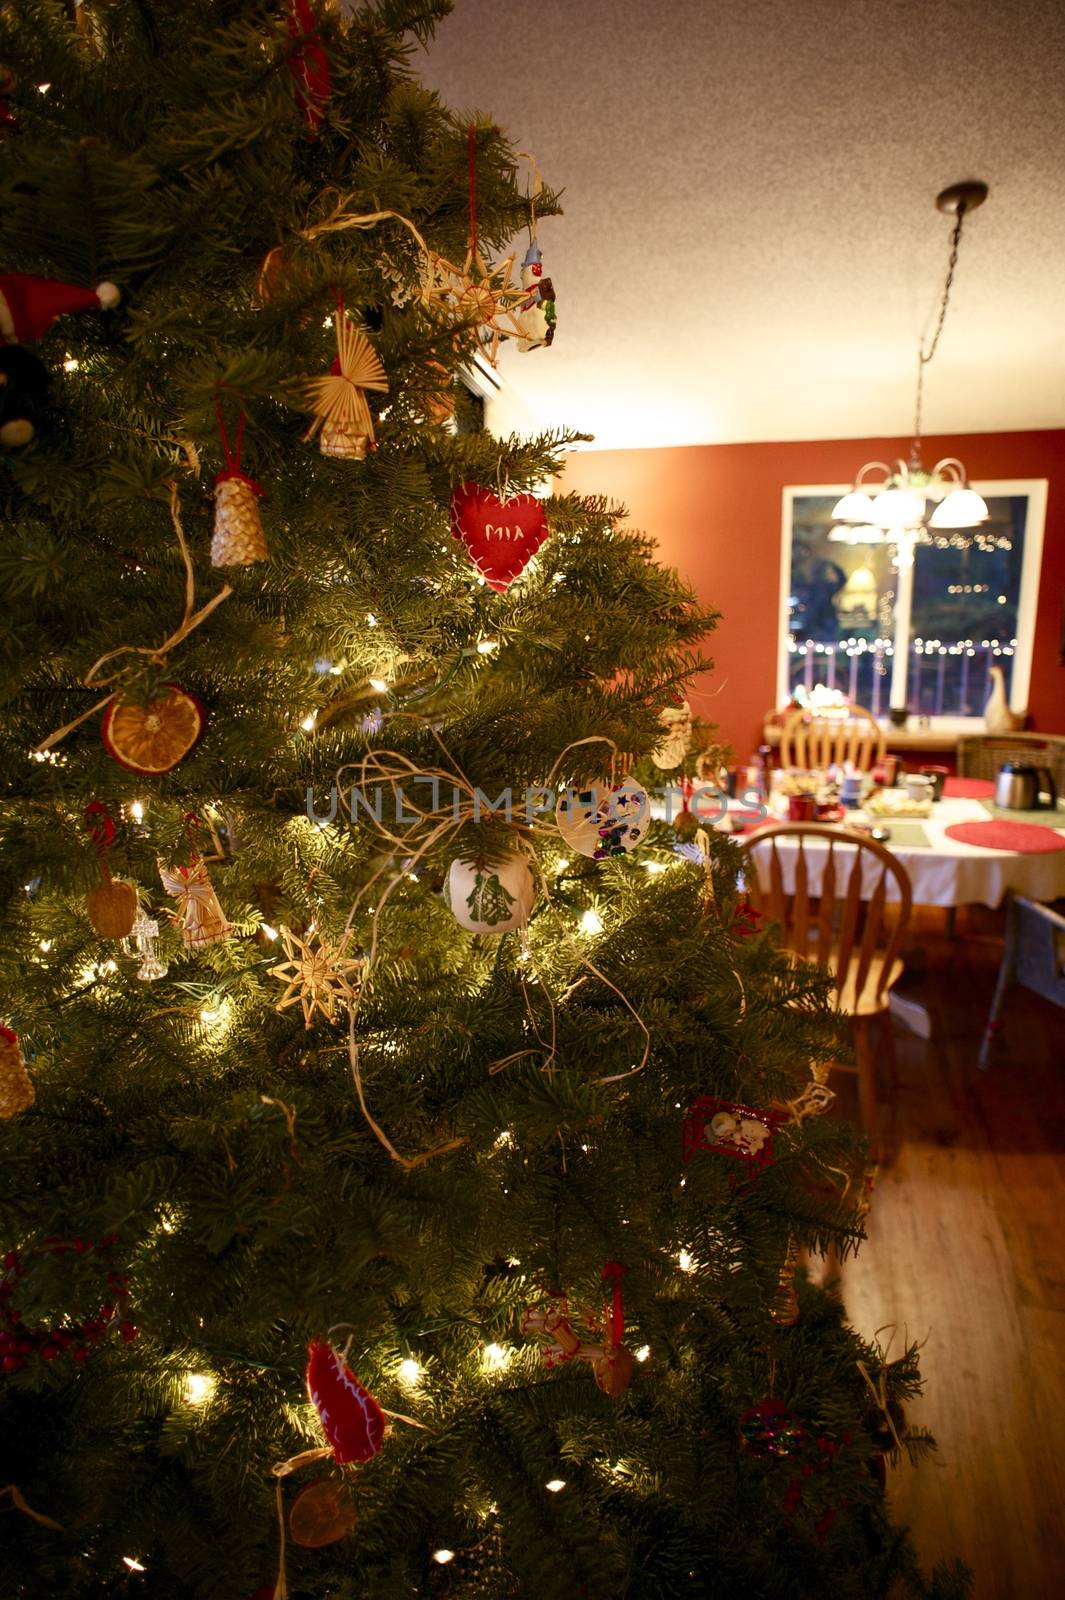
point(802, 807)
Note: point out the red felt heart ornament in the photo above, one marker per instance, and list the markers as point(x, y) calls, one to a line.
point(351, 1419)
point(502, 536)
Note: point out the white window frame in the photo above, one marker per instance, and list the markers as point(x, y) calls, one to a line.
point(1034, 490)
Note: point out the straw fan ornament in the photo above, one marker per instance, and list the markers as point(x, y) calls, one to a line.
point(341, 414)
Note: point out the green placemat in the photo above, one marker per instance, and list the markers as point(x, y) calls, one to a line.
point(904, 832)
point(1048, 819)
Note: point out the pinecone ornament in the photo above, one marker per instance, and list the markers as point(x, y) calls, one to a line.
point(238, 528)
point(16, 1090)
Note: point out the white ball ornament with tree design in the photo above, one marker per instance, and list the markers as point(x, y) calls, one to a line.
point(490, 896)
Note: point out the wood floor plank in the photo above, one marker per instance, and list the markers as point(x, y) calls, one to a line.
point(966, 1249)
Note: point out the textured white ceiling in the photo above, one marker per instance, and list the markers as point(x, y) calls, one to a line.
point(750, 248)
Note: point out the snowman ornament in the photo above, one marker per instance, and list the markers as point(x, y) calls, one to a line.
point(536, 316)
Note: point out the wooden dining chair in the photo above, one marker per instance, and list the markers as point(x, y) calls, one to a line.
point(816, 740)
point(827, 917)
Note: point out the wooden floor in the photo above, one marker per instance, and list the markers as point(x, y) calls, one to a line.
point(966, 1250)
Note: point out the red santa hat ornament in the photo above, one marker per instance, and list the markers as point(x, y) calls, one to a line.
point(29, 305)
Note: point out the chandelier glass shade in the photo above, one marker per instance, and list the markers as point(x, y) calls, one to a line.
point(908, 501)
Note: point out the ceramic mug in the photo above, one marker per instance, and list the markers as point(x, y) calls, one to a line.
point(918, 786)
point(802, 807)
point(850, 792)
point(939, 776)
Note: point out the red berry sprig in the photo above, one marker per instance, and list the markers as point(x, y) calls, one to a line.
point(20, 1344)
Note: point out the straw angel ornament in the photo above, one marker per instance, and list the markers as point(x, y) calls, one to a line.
point(203, 920)
point(339, 401)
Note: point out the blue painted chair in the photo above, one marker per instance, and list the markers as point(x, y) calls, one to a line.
point(1034, 956)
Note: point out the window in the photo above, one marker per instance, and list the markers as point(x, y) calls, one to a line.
point(973, 606)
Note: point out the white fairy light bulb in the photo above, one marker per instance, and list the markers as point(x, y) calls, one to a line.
point(307, 723)
point(136, 810)
point(555, 1484)
point(685, 1262)
point(410, 1372)
point(642, 1353)
point(379, 685)
point(371, 620)
point(591, 922)
point(443, 1556)
point(496, 1357)
point(133, 1564)
point(486, 647)
point(199, 1387)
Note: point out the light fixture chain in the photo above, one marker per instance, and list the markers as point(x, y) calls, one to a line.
point(924, 356)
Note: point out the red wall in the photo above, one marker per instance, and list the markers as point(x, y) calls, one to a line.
point(715, 512)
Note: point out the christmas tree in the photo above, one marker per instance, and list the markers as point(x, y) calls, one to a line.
point(403, 1187)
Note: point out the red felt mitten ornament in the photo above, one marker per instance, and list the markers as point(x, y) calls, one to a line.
point(502, 536)
point(308, 64)
point(352, 1421)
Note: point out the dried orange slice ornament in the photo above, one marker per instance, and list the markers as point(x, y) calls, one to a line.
point(155, 737)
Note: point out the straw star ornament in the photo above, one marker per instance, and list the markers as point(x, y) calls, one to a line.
point(316, 975)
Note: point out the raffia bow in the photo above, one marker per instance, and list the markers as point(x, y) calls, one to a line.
point(154, 655)
point(878, 1388)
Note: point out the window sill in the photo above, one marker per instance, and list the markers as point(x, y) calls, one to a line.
point(942, 733)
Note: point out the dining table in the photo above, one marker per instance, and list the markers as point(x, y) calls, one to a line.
point(966, 851)
point(950, 862)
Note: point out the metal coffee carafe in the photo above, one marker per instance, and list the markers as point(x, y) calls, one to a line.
point(1023, 788)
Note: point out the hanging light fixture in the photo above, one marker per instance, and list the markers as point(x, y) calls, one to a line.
point(899, 502)
point(907, 504)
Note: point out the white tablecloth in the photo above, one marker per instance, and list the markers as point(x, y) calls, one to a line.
point(946, 872)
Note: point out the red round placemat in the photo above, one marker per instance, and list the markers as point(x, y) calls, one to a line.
point(968, 788)
point(1024, 838)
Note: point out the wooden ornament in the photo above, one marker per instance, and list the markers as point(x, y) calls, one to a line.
point(321, 1514)
point(351, 1419)
point(16, 1089)
point(613, 1370)
point(112, 906)
point(238, 539)
point(153, 738)
point(537, 316)
point(490, 897)
point(676, 722)
point(611, 1361)
point(785, 1307)
point(203, 920)
point(601, 822)
point(501, 536)
point(724, 1128)
point(339, 401)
